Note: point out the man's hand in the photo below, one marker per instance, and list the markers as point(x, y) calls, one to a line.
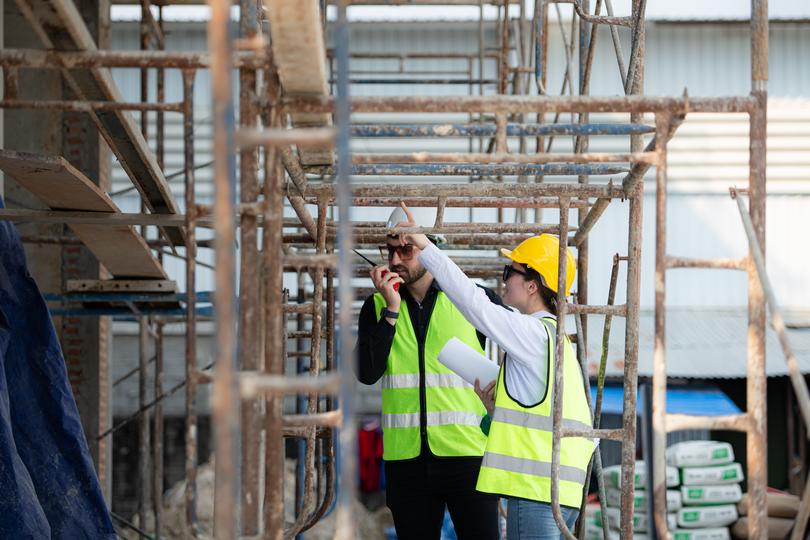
point(486, 395)
point(384, 281)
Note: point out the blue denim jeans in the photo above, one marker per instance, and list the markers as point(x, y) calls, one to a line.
point(532, 520)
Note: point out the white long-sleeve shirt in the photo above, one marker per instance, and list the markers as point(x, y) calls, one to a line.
point(523, 337)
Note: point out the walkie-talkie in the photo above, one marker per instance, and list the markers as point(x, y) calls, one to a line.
point(369, 261)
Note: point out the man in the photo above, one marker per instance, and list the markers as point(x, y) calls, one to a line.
point(432, 439)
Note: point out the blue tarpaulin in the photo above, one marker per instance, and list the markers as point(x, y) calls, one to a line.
point(48, 486)
point(699, 400)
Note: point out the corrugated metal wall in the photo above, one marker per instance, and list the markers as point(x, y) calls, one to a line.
point(708, 154)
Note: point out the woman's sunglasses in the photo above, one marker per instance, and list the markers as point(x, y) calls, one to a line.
point(508, 270)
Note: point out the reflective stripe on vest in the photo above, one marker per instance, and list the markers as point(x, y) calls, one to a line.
point(517, 461)
point(453, 410)
point(533, 421)
point(531, 467)
point(440, 418)
point(406, 380)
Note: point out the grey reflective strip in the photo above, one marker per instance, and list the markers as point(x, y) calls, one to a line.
point(531, 467)
point(533, 421)
point(438, 418)
point(405, 380)
point(411, 380)
point(446, 380)
point(402, 420)
point(443, 418)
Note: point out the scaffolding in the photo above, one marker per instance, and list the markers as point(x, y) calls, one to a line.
point(284, 139)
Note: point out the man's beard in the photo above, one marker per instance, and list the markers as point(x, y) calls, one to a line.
point(406, 276)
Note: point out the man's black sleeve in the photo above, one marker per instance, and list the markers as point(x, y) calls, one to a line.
point(495, 299)
point(374, 341)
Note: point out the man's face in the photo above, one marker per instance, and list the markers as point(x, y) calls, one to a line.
point(404, 260)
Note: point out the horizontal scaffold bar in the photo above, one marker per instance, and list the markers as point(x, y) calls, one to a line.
point(200, 297)
point(480, 189)
point(460, 202)
point(35, 58)
point(524, 104)
point(126, 314)
point(457, 169)
point(488, 130)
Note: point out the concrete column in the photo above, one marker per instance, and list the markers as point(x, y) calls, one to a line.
point(86, 340)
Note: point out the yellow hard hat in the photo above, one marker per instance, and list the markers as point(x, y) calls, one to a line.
point(541, 254)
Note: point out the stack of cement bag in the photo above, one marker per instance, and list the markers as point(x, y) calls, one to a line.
point(710, 489)
point(782, 510)
point(641, 521)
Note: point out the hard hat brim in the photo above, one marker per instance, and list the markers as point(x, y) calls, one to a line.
point(510, 254)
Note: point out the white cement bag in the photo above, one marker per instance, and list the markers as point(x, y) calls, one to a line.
point(717, 474)
point(613, 476)
point(722, 494)
point(716, 533)
point(707, 516)
point(699, 454)
point(641, 522)
point(614, 498)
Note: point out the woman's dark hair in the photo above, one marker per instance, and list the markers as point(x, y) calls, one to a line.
point(549, 297)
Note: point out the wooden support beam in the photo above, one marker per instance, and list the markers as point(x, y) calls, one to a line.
point(300, 54)
point(60, 26)
point(60, 185)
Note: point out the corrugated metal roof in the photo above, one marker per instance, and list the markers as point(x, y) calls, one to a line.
point(701, 344)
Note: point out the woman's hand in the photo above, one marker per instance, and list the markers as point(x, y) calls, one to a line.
point(417, 239)
point(486, 395)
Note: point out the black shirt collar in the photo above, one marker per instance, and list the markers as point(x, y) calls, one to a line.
point(434, 288)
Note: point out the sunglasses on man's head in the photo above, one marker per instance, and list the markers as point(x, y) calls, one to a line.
point(405, 252)
point(508, 270)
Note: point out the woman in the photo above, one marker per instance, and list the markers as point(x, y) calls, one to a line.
point(517, 459)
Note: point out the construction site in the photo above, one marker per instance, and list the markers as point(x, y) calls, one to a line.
point(194, 194)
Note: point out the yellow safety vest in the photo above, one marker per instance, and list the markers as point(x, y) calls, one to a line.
point(453, 410)
point(517, 460)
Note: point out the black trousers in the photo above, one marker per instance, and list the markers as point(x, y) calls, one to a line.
point(418, 490)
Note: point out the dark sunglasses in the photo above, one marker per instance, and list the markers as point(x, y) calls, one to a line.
point(508, 270)
point(405, 252)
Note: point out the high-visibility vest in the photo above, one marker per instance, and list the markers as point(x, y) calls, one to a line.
point(517, 460)
point(453, 410)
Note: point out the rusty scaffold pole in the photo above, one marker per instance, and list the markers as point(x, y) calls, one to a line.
point(348, 434)
point(225, 406)
point(249, 277)
point(753, 420)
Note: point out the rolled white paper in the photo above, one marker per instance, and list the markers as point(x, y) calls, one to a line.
point(468, 363)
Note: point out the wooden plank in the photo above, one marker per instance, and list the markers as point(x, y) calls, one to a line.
point(60, 26)
point(59, 185)
point(300, 54)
